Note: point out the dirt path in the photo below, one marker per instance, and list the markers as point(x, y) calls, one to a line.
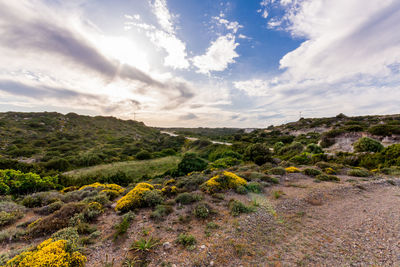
point(355, 230)
point(343, 225)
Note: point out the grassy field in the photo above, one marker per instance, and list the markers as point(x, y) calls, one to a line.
point(134, 169)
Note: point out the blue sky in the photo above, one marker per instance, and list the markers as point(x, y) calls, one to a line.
point(201, 63)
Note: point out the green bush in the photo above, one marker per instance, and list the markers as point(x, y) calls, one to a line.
point(366, 144)
point(302, 159)
point(254, 187)
point(152, 198)
point(187, 198)
point(291, 150)
point(122, 227)
point(311, 172)
point(314, 149)
point(190, 163)
point(49, 209)
point(186, 240)
point(241, 189)
point(258, 153)
point(223, 153)
point(143, 155)
point(384, 129)
point(277, 171)
point(7, 218)
point(16, 182)
point(278, 146)
point(236, 207)
point(224, 163)
point(358, 173)
point(326, 177)
point(161, 211)
point(202, 211)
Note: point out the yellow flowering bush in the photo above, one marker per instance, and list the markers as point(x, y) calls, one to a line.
point(292, 169)
point(49, 253)
point(330, 171)
point(134, 198)
point(226, 180)
point(69, 189)
point(169, 190)
point(114, 187)
point(169, 182)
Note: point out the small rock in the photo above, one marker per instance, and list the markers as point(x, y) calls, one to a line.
point(202, 246)
point(167, 246)
point(211, 263)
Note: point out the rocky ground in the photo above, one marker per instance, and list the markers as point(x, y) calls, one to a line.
point(351, 223)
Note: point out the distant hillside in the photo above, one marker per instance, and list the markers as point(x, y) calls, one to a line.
point(61, 142)
point(335, 133)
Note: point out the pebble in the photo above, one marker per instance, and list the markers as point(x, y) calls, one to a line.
point(167, 246)
point(202, 246)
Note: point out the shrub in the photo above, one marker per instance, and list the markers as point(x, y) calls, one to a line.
point(186, 240)
point(49, 253)
point(224, 181)
point(304, 158)
point(311, 172)
point(190, 183)
point(358, 173)
point(103, 187)
point(16, 182)
point(134, 198)
point(143, 155)
point(325, 177)
point(224, 163)
point(55, 221)
point(254, 187)
point(314, 149)
point(202, 211)
point(258, 153)
point(277, 171)
point(48, 209)
point(278, 146)
point(366, 144)
point(292, 169)
point(92, 211)
point(152, 198)
point(330, 171)
point(384, 130)
point(169, 190)
point(41, 199)
point(187, 198)
point(122, 227)
point(161, 211)
point(7, 218)
point(223, 153)
point(190, 163)
point(289, 151)
point(241, 190)
point(236, 207)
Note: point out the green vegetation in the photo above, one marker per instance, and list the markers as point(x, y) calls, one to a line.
point(186, 240)
point(82, 179)
point(236, 207)
point(122, 173)
point(366, 144)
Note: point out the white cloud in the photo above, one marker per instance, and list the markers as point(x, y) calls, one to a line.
point(163, 37)
point(219, 55)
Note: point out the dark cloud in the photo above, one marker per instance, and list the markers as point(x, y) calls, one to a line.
point(37, 92)
point(189, 116)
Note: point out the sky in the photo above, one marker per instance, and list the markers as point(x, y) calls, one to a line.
point(208, 63)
